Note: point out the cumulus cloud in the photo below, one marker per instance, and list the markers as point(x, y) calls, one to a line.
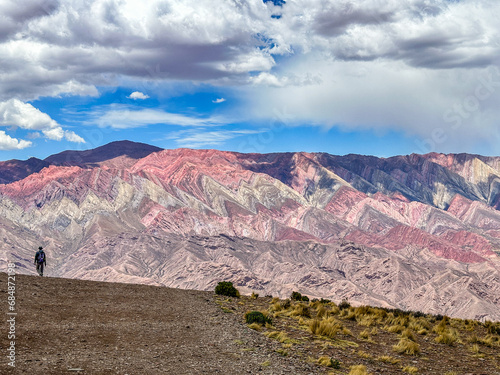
point(219, 100)
point(17, 114)
point(119, 116)
point(9, 143)
point(45, 46)
point(369, 53)
point(138, 95)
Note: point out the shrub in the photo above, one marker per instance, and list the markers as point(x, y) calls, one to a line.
point(493, 328)
point(335, 364)
point(257, 317)
point(305, 298)
point(296, 296)
point(226, 288)
point(322, 300)
point(286, 304)
point(344, 304)
point(254, 295)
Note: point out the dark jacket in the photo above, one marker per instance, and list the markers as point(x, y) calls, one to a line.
point(44, 258)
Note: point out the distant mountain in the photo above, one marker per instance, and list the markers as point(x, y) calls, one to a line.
point(115, 154)
point(419, 232)
point(14, 170)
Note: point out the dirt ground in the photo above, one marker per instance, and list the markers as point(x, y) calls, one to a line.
point(67, 326)
point(351, 349)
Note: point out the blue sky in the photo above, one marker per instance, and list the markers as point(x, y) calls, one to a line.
point(321, 76)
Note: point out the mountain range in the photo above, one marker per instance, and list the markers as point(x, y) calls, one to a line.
point(416, 232)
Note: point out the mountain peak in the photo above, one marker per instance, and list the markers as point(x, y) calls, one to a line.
point(107, 154)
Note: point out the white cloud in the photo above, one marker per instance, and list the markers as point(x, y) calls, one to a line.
point(138, 95)
point(23, 115)
point(9, 143)
point(219, 100)
point(126, 117)
point(16, 114)
point(196, 138)
point(393, 64)
point(73, 137)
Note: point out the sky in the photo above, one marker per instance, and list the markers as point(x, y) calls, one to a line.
point(377, 77)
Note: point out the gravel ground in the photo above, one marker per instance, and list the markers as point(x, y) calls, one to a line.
point(70, 326)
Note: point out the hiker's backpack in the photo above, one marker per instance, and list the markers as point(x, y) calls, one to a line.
point(41, 257)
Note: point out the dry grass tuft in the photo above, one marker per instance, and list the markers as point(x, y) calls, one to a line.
point(328, 362)
point(358, 370)
point(410, 369)
point(408, 335)
point(277, 306)
point(301, 310)
point(363, 354)
point(325, 327)
point(395, 328)
point(255, 326)
point(281, 336)
point(388, 359)
point(348, 314)
point(365, 334)
point(322, 311)
point(406, 346)
point(448, 337)
point(442, 326)
point(475, 349)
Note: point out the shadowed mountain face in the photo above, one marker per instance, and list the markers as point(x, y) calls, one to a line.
point(14, 170)
point(115, 154)
point(418, 232)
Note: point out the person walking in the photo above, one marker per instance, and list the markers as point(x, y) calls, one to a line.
point(40, 260)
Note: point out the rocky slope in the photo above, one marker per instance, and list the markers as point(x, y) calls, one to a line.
point(415, 232)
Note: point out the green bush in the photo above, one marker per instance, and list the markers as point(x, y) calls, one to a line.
point(257, 317)
point(226, 288)
point(335, 363)
point(296, 296)
point(305, 298)
point(344, 305)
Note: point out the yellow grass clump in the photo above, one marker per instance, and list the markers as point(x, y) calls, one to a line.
point(325, 327)
point(410, 369)
point(448, 337)
point(255, 326)
point(301, 310)
point(408, 335)
point(358, 370)
point(388, 359)
point(397, 328)
point(406, 346)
